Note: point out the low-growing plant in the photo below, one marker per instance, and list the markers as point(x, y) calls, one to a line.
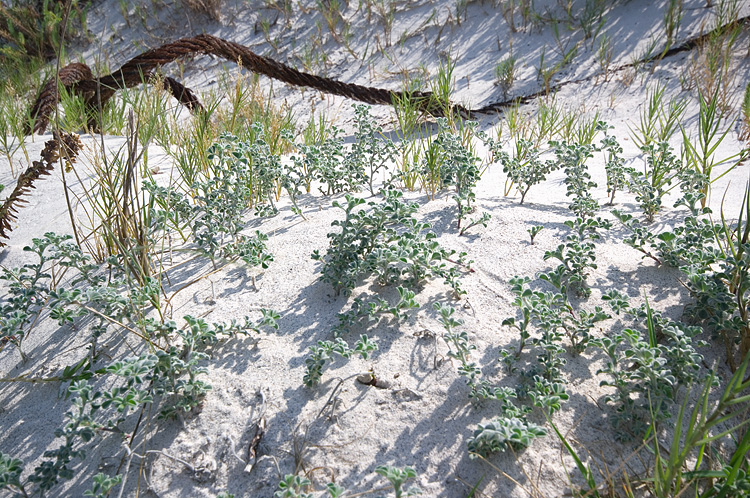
point(295, 486)
point(647, 374)
point(534, 231)
point(460, 349)
point(371, 311)
point(525, 168)
point(660, 168)
point(328, 166)
point(614, 164)
point(646, 195)
point(576, 255)
point(504, 432)
point(712, 257)
point(167, 375)
point(370, 147)
point(389, 244)
point(662, 165)
point(215, 218)
point(397, 477)
point(694, 434)
point(555, 318)
point(452, 164)
point(639, 236)
point(323, 351)
point(29, 285)
point(385, 240)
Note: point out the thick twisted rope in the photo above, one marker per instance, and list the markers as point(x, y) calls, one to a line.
point(97, 91)
point(77, 77)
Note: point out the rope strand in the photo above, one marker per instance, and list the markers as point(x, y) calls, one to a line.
point(78, 78)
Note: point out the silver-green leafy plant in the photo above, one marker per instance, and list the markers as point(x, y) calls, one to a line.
point(577, 254)
point(386, 241)
point(448, 160)
point(330, 169)
point(397, 477)
point(361, 311)
point(614, 164)
point(460, 349)
point(370, 149)
point(295, 486)
point(371, 311)
point(646, 368)
point(534, 231)
point(508, 431)
point(168, 377)
point(31, 286)
point(524, 169)
point(244, 175)
point(458, 168)
point(714, 260)
point(323, 351)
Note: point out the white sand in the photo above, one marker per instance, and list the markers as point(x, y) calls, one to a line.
point(424, 419)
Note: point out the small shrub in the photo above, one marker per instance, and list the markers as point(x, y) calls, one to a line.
point(577, 255)
point(504, 433)
point(370, 148)
point(647, 374)
point(385, 240)
point(525, 169)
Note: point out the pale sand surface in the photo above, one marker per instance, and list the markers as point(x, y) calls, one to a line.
point(424, 419)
